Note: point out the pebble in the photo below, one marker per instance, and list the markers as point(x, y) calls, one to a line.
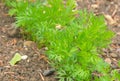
point(48, 72)
point(24, 57)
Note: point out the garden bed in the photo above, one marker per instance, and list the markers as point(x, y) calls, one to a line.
point(32, 69)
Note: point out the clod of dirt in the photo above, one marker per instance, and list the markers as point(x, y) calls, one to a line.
point(48, 72)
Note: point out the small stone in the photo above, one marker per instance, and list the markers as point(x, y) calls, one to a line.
point(108, 60)
point(114, 55)
point(48, 72)
point(24, 57)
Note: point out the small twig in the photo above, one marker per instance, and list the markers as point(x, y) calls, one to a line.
point(41, 76)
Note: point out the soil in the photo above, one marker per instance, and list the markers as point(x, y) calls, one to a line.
point(30, 69)
point(33, 67)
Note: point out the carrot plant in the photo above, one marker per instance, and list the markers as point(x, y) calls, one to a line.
point(73, 42)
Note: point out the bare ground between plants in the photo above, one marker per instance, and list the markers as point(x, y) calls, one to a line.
point(32, 68)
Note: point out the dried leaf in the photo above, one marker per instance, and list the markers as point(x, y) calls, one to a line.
point(110, 20)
